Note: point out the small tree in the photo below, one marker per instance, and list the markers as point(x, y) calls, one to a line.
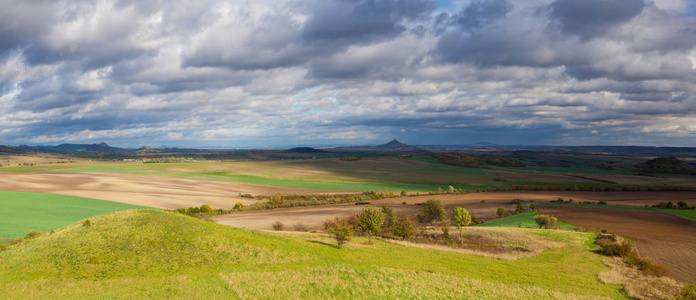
point(404, 228)
point(461, 218)
point(500, 212)
point(238, 205)
point(389, 215)
point(432, 210)
point(340, 228)
point(533, 206)
point(370, 221)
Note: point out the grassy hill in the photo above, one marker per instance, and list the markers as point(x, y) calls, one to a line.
point(156, 254)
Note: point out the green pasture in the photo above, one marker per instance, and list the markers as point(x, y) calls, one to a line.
point(23, 212)
point(525, 220)
point(688, 214)
point(155, 254)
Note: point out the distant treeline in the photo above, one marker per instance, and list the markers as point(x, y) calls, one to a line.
point(586, 188)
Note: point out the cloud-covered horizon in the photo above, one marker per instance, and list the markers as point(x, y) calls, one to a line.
point(260, 73)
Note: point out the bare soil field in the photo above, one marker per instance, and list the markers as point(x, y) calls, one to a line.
point(667, 239)
point(145, 190)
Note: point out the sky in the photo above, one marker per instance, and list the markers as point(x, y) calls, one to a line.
point(273, 73)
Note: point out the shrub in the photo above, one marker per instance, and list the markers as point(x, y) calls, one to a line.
point(277, 225)
point(475, 220)
point(431, 210)
point(86, 223)
point(299, 226)
point(659, 270)
point(238, 206)
point(206, 209)
point(404, 193)
point(404, 228)
point(181, 211)
point(516, 201)
point(193, 210)
point(622, 249)
point(519, 208)
point(500, 212)
point(32, 235)
point(340, 228)
point(602, 203)
point(688, 293)
point(389, 215)
point(533, 206)
point(548, 222)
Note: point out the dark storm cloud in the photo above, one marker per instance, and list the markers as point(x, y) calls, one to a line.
point(591, 18)
point(363, 20)
point(480, 13)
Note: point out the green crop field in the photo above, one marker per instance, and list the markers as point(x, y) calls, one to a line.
point(156, 254)
point(23, 212)
point(525, 220)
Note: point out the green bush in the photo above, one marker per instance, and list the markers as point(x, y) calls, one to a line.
point(688, 293)
point(548, 222)
point(32, 235)
point(341, 229)
point(238, 206)
point(432, 210)
point(500, 212)
point(193, 210)
point(206, 209)
point(181, 211)
point(389, 215)
point(87, 223)
point(404, 228)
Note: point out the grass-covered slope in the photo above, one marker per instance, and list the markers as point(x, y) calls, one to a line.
point(21, 212)
point(156, 254)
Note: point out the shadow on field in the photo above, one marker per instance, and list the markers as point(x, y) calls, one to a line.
point(323, 243)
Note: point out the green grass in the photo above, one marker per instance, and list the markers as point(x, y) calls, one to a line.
point(23, 212)
point(521, 220)
point(688, 214)
point(156, 254)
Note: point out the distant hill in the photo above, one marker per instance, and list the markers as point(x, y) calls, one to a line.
point(666, 165)
point(68, 148)
point(392, 146)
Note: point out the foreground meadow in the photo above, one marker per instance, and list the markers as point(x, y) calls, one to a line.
point(156, 254)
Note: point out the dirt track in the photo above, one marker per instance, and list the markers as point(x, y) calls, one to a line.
point(667, 239)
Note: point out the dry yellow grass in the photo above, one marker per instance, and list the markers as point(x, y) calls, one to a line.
point(514, 239)
point(638, 285)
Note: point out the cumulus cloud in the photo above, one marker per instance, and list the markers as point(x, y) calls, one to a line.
point(234, 73)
